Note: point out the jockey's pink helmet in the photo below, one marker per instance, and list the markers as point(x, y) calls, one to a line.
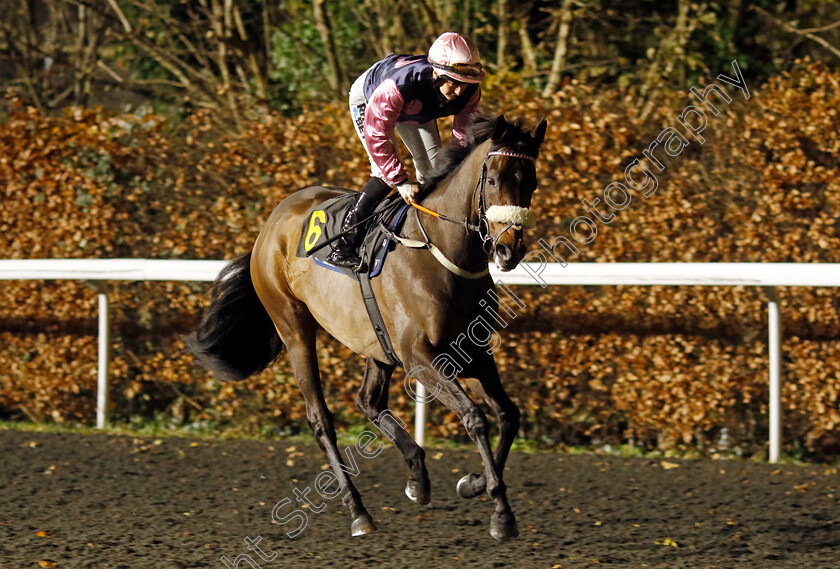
point(455, 56)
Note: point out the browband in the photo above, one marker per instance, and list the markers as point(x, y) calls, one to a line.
point(511, 154)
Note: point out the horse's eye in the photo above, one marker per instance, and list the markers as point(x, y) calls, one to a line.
point(491, 181)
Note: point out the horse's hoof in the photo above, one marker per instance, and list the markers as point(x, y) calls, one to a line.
point(471, 486)
point(362, 525)
point(418, 493)
point(503, 527)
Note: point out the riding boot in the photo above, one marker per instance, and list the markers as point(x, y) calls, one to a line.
point(345, 250)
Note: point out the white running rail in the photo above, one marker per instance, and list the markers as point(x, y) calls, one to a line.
point(765, 275)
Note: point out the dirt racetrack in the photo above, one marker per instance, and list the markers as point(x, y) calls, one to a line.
point(106, 501)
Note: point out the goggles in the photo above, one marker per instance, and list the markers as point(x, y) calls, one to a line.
point(465, 69)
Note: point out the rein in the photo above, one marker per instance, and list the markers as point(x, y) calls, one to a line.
point(466, 223)
point(514, 216)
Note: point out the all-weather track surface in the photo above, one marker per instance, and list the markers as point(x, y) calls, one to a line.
point(107, 501)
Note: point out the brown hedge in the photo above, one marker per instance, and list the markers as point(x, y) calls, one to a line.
point(658, 366)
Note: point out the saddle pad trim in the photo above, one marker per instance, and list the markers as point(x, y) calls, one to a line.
point(380, 261)
point(326, 265)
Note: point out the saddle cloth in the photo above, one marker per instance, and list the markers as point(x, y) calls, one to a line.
point(324, 222)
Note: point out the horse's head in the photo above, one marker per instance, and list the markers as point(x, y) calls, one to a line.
point(508, 182)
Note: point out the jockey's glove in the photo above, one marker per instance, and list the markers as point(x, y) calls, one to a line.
point(408, 190)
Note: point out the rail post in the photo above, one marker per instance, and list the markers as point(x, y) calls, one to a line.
point(774, 341)
point(103, 357)
point(420, 415)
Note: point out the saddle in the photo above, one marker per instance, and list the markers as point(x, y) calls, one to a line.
point(322, 227)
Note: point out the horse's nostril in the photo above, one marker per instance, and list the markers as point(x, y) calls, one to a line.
point(504, 252)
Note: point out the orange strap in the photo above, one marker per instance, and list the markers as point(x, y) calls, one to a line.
point(423, 209)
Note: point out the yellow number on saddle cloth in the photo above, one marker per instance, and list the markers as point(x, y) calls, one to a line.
point(313, 232)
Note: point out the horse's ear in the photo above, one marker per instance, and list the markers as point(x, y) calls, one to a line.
point(500, 128)
point(539, 134)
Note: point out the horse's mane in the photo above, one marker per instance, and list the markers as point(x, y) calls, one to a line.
point(515, 138)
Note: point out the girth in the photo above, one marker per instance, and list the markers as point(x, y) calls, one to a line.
point(376, 319)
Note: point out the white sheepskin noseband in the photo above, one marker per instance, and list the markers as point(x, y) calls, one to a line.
point(512, 215)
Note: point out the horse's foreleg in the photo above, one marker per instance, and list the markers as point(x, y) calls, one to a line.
point(489, 385)
point(451, 394)
point(298, 334)
point(373, 401)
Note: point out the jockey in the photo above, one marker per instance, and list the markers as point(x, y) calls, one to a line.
point(407, 93)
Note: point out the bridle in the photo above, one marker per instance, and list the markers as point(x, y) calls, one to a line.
point(488, 243)
point(483, 222)
point(514, 216)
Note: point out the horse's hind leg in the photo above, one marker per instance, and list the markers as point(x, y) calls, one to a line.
point(487, 383)
point(373, 401)
point(297, 329)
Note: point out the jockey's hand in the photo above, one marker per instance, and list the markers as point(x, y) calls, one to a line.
point(408, 190)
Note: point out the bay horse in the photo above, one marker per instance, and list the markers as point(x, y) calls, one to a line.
point(271, 297)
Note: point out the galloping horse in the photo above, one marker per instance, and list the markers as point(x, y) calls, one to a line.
point(271, 297)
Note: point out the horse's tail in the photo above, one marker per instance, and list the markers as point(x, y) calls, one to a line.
point(236, 338)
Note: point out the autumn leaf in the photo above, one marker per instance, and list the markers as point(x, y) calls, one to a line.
point(675, 364)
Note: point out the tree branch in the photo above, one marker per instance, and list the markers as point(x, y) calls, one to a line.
point(822, 29)
point(804, 33)
point(118, 11)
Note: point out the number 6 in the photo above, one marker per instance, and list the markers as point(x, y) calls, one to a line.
point(313, 232)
